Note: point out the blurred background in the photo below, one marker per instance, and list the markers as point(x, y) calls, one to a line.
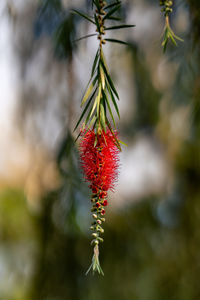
point(152, 238)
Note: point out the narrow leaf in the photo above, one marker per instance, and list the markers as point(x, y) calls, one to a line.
point(91, 111)
point(83, 15)
point(111, 12)
point(87, 94)
point(95, 62)
point(102, 77)
point(117, 41)
point(119, 27)
point(84, 37)
point(110, 80)
point(123, 143)
point(109, 108)
point(102, 119)
point(98, 100)
point(96, 2)
point(112, 4)
point(172, 39)
point(85, 109)
point(92, 122)
point(113, 101)
point(115, 18)
point(103, 59)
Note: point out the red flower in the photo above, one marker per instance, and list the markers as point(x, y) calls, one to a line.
point(102, 194)
point(99, 162)
point(105, 203)
point(98, 204)
point(103, 212)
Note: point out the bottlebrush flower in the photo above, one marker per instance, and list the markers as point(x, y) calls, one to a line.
point(99, 160)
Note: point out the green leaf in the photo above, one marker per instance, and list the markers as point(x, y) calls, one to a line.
point(98, 100)
point(123, 143)
point(118, 27)
point(112, 4)
point(88, 115)
point(172, 39)
point(96, 2)
point(109, 108)
point(102, 76)
point(178, 38)
point(102, 119)
point(103, 59)
point(91, 111)
point(95, 62)
point(95, 142)
point(109, 80)
point(85, 109)
point(85, 37)
point(77, 137)
point(92, 121)
point(118, 42)
point(115, 18)
point(111, 12)
point(113, 101)
point(83, 15)
point(87, 93)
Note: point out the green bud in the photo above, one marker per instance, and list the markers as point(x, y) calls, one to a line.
point(93, 209)
point(99, 228)
point(100, 239)
point(94, 216)
point(95, 235)
point(95, 241)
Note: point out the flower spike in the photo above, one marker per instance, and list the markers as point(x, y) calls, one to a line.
point(99, 143)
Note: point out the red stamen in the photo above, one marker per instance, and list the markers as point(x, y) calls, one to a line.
point(103, 212)
point(100, 162)
point(98, 204)
point(105, 203)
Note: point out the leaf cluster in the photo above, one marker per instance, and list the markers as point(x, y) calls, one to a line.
point(169, 35)
point(101, 96)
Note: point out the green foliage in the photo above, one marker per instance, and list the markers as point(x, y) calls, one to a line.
point(101, 90)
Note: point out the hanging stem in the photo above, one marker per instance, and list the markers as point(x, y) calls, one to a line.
point(168, 33)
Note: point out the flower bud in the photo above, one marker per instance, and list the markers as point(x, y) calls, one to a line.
point(100, 239)
point(95, 235)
